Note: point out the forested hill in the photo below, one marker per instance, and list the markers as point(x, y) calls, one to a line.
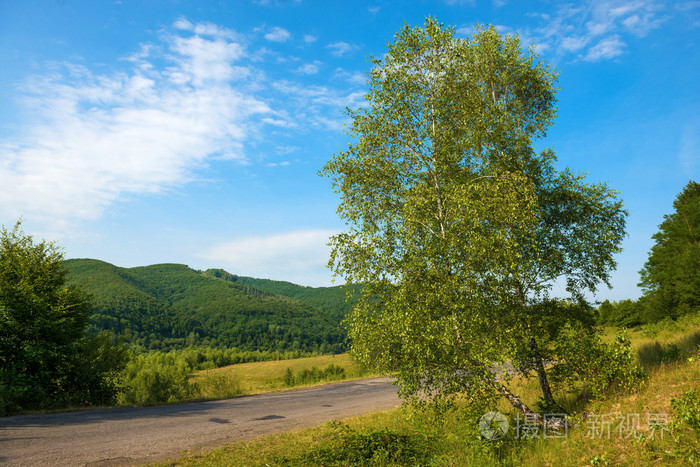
point(167, 306)
point(333, 300)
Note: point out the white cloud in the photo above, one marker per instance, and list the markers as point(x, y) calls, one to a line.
point(503, 29)
point(309, 68)
point(308, 38)
point(97, 138)
point(605, 49)
point(338, 49)
point(280, 122)
point(356, 77)
point(460, 2)
point(597, 30)
point(574, 44)
point(688, 5)
point(278, 34)
point(320, 106)
point(183, 24)
point(466, 31)
point(299, 256)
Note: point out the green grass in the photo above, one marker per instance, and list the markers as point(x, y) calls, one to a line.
point(405, 436)
point(261, 377)
point(664, 331)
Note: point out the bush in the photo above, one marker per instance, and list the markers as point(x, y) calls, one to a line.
point(47, 359)
point(666, 324)
point(314, 375)
point(655, 353)
point(347, 446)
point(217, 386)
point(687, 408)
point(150, 380)
point(605, 369)
point(686, 426)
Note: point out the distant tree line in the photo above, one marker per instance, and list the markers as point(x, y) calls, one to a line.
point(670, 278)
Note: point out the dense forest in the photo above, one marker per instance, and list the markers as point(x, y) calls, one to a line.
point(171, 306)
point(336, 301)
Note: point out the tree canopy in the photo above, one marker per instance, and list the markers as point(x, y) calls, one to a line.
point(46, 359)
point(458, 228)
point(671, 276)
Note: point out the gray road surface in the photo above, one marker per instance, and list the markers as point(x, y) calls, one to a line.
point(125, 436)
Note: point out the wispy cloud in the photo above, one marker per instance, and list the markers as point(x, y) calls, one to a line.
point(95, 138)
point(309, 68)
point(607, 48)
point(309, 38)
point(298, 256)
point(355, 78)
point(461, 2)
point(338, 49)
point(278, 34)
point(598, 30)
point(319, 106)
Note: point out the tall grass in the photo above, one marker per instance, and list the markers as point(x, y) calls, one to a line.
point(655, 353)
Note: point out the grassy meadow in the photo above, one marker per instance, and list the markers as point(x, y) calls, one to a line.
point(259, 377)
point(658, 424)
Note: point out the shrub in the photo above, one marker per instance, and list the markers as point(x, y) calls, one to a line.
point(604, 368)
point(687, 408)
point(217, 386)
point(47, 358)
point(314, 375)
point(686, 426)
point(347, 446)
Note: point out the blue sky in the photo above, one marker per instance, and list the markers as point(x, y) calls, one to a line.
point(141, 132)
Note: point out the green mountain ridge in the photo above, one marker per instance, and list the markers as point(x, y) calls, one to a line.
point(337, 301)
point(167, 306)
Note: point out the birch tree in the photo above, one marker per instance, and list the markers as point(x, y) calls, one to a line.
point(456, 227)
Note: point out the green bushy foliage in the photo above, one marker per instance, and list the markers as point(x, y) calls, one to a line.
point(665, 324)
point(654, 353)
point(47, 359)
point(347, 446)
point(687, 408)
point(164, 377)
point(686, 424)
point(154, 379)
point(314, 375)
point(604, 368)
point(218, 386)
point(627, 313)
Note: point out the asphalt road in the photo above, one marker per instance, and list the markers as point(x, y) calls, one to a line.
point(125, 436)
